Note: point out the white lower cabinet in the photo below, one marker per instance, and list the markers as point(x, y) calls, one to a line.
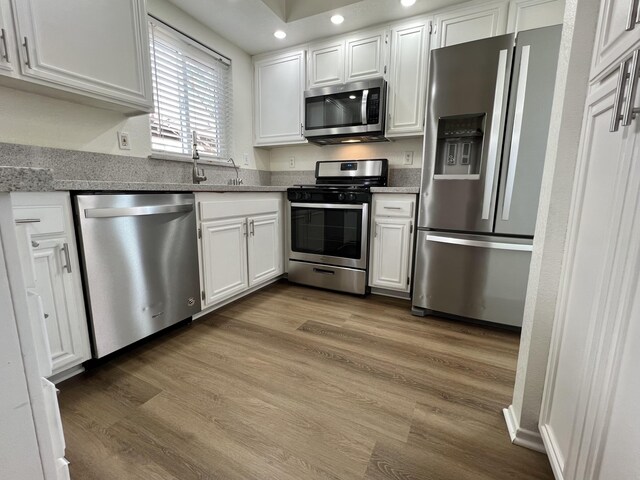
point(53, 276)
point(224, 259)
point(392, 230)
point(241, 242)
point(265, 248)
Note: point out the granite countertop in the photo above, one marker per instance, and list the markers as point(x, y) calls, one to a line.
point(91, 185)
point(395, 189)
point(25, 179)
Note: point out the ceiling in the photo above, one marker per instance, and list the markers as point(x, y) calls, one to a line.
point(250, 23)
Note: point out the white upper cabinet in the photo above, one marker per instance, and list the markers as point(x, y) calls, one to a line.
point(326, 64)
point(470, 23)
point(279, 99)
point(366, 55)
point(618, 33)
point(359, 56)
point(93, 52)
point(529, 14)
point(408, 79)
point(7, 45)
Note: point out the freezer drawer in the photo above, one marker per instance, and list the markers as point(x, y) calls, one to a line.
point(474, 276)
point(342, 279)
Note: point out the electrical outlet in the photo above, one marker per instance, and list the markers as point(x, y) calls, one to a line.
point(245, 158)
point(123, 141)
point(408, 158)
point(292, 162)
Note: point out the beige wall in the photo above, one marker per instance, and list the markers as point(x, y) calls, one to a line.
point(32, 119)
point(306, 156)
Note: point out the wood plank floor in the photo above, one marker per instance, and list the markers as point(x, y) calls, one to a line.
point(294, 383)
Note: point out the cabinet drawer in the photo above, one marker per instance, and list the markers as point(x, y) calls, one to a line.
point(53, 417)
point(51, 218)
point(394, 208)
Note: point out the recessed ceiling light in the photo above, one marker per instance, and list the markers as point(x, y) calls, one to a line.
point(352, 97)
point(279, 34)
point(337, 19)
point(407, 3)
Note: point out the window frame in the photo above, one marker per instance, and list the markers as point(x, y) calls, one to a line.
point(202, 54)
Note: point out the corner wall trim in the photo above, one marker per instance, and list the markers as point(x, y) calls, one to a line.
point(520, 436)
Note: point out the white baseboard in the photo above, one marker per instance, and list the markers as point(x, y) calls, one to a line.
point(66, 374)
point(521, 436)
point(556, 459)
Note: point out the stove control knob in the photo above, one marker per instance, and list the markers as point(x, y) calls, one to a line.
point(295, 195)
point(306, 196)
point(341, 197)
point(352, 197)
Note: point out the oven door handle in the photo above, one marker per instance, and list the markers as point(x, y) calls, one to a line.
point(336, 206)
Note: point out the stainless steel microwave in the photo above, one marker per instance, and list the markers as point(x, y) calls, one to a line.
point(348, 113)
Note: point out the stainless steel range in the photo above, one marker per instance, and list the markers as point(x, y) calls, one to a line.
point(328, 233)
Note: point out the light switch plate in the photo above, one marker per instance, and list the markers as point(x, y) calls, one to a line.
point(123, 141)
point(408, 158)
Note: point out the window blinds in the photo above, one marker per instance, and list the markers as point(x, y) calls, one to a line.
point(192, 92)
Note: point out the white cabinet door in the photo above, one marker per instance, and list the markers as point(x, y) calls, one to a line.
point(8, 53)
point(279, 99)
point(469, 24)
point(224, 259)
point(529, 14)
point(593, 272)
point(326, 64)
point(408, 79)
point(390, 257)
point(54, 276)
point(265, 248)
point(64, 318)
point(365, 56)
point(99, 49)
point(618, 33)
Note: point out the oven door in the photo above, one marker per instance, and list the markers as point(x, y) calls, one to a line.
point(332, 234)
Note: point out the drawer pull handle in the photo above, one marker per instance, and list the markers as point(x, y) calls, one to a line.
point(21, 221)
point(46, 315)
point(35, 244)
point(322, 271)
point(65, 250)
point(393, 208)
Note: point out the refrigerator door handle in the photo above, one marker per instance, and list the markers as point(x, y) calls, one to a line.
point(494, 139)
point(518, 247)
point(517, 131)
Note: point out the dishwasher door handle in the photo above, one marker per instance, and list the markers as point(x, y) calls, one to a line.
point(137, 211)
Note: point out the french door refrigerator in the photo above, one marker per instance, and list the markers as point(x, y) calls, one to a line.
point(485, 143)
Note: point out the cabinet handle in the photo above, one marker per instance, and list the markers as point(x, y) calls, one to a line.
point(627, 83)
point(67, 258)
point(301, 130)
point(3, 35)
point(35, 244)
point(244, 229)
point(46, 315)
point(393, 208)
point(632, 87)
point(252, 226)
point(26, 49)
point(21, 221)
point(634, 15)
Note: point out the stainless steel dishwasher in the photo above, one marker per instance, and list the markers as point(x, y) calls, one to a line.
point(140, 264)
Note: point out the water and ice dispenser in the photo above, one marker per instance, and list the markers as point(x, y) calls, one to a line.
point(459, 150)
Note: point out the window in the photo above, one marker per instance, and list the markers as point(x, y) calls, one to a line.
point(192, 92)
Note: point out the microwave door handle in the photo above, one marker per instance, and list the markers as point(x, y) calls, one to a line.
point(363, 109)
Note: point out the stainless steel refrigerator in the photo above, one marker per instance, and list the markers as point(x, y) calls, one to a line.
point(486, 134)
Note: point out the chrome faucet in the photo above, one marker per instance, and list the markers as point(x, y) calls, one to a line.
point(237, 180)
point(198, 173)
